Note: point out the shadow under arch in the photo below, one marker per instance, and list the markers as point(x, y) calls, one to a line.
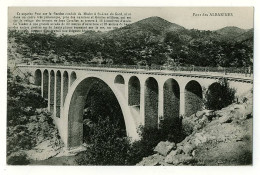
point(74, 108)
point(214, 95)
point(119, 79)
point(134, 91)
point(38, 77)
point(45, 84)
point(65, 85)
point(193, 97)
point(151, 103)
point(73, 77)
point(52, 89)
point(171, 91)
point(58, 93)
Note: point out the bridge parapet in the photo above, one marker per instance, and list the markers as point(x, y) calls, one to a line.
point(232, 74)
point(224, 70)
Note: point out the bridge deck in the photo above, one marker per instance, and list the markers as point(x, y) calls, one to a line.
point(201, 74)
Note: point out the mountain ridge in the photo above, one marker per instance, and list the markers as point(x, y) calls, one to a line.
point(157, 27)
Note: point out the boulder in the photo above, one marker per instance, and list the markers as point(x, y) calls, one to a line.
point(194, 153)
point(199, 138)
point(42, 151)
point(181, 159)
point(152, 160)
point(200, 114)
point(209, 112)
point(188, 148)
point(246, 112)
point(225, 119)
point(163, 148)
point(204, 119)
point(170, 157)
point(18, 158)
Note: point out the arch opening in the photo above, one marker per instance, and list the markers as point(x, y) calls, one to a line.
point(45, 84)
point(52, 79)
point(119, 79)
point(193, 97)
point(91, 102)
point(73, 77)
point(151, 103)
point(171, 99)
point(134, 92)
point(58, 93)
point(215, 95)
point(65, 85)
point(38, 77)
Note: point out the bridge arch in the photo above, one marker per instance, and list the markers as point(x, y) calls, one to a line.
point(38, 77)
point(74, 106)
point(45, 83)
point(58, 93)
point(193, 97)
point(151, 103)
point(73, 77)
point(215, 90)
point(171, 95)
point(119, 79)
point(65, 85)
point(134, 91)
point(52, 82)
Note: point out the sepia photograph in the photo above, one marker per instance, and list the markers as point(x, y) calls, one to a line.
point(130, 86)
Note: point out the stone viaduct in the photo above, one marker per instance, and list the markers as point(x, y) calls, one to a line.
point(144, 95)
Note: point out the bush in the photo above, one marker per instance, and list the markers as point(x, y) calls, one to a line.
point(150, 137)
point(107, 146)
point(171, 129)
point(219, 95)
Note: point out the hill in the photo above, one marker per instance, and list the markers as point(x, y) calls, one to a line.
point(151, 41)
point(247, 36)
point(230, 32)
point(154, 25)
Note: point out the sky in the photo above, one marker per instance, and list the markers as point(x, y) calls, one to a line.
point(188, 17)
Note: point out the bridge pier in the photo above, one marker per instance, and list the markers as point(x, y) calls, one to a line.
point(62, 93)
point(160, 101)
point(126, 90)
point(49, 91)
point(182, 102)
point(42, 85)
point(142, 95)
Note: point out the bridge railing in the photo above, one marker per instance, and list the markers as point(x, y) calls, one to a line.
point(224, 70)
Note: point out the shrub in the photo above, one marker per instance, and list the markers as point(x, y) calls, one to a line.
point(219, 95)
point(144, 147)
point(171, 129)
point(107, 146)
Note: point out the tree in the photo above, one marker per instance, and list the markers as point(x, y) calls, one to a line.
point(219, 95)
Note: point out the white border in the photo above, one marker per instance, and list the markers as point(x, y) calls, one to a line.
point(43, 170)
